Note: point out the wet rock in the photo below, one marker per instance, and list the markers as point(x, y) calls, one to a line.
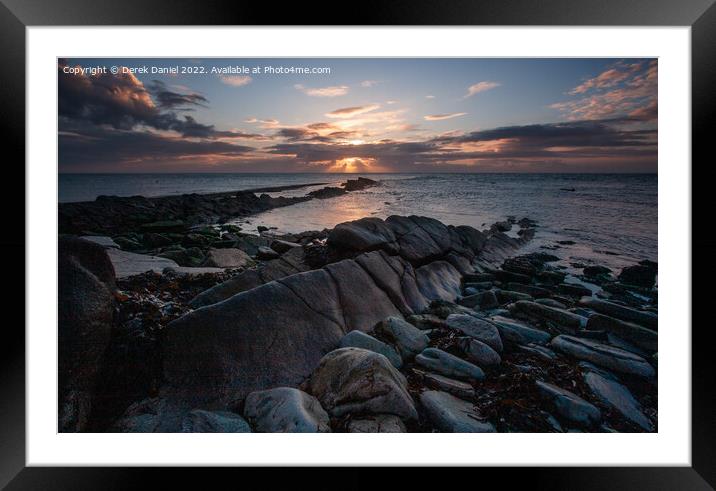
point(574, 290)
point(507, 296)
point(457, 388)
point(596, 271)
point(566, 319)
point(449, 365)
point(266, 253)
point(452, 415)
point(642, 275)
point(538, 350)
point(604, 356)
point(227, 258)
point(516, 332)
point(85, 316)
point(550, 302)
point(354, 380)
point(285, 410)
point(359, 339)
point(609, 391)
point(478, 352)
point(647, 319)
point(483, 300)
point(380, 423)
point(570, 406)
point(408, 339)
point(476, 328)
point(359, 184)
point(640, 336)
point(201, 421)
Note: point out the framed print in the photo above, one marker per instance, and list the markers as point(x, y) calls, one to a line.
point(444, 236)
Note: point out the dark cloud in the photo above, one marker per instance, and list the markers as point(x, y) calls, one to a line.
point(168, 99)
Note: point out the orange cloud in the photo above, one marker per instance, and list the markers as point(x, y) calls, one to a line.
point(235, 80)
point(333, 91)
point(440, 117)
point(480, 87)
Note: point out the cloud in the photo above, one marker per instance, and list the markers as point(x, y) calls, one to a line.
point(440, 117)
point(368, 83)
point(430, 97)
point(347, 112)
point(623, 89)
point(480, 87)
point(333, 91)
point(235, 80)
point(168, 99)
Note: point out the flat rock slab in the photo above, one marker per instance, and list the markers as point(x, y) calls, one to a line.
point(227, 258)
point(612, 393)
point(648, 319)
point(458, 388)
point(518, 333)
point(478, 352)
point(380, 423)
point(285, 410)
point(452, 415)
point(642, 337)
point(449, 365)
point(570, 406)
point(406, 337)
point(603, 355)
point(130, 264)
point(568, 320)
point(102, 240)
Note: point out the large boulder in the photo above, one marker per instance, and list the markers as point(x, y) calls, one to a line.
point(452, 415)
point(86, 305)
point(479, 329)
point(354, 380)
point(420, 239)
point(367, 234)
point(604, 356)
point(643, 274)
point(227, 258)
point(439, 280)
point(285, 410)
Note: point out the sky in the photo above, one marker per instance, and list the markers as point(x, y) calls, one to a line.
point(361, 115)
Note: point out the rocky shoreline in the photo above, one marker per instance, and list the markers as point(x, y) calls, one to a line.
point(395, 325)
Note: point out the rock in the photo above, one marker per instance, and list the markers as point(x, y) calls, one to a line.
point(642, 275)
point(572, 322)
point(482, 300)
point(85, 317)
point(602, 355)
point(359, 184)
point(471, 238)
point(647, 319)
point(164, 226)
point(531, 290)
point(358, 339)
point(380, 423)
point(227, 258)
point(282, 246)
point(200, 421)
point(570, 406)
point(479, 286)
point(285, 410)
point(438, 280)
point(443, 309)
point(518, 333)
point(354, 380)
point(507, 296)
point(250, 243)
point(574, 290)
point(457, 388)
point(479, 278)
point(476, 328)
point(420, 239)
point(538, 350)
point(478, 352)
point(640, 336)
point(261, 229)
point(408, 339)
point(426, 321)
point(609, 391)
point(367, 234)
point(452, 415)
point(503, 226)
point(550, 302)
point(102, 240)
point(449, 365)
point(266, 253)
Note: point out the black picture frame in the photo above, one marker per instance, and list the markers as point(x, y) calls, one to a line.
point(16, 15)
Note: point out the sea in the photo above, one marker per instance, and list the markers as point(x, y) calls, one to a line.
point(605, 219)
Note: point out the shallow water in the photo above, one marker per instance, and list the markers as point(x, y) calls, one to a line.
point(612, 218)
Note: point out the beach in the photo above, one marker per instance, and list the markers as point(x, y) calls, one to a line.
point(378, 303)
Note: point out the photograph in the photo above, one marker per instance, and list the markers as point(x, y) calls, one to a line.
point(357, 245)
